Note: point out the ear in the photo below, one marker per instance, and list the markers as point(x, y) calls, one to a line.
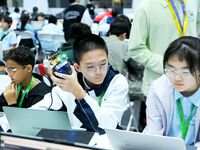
point(29, 68)
point(77, 67)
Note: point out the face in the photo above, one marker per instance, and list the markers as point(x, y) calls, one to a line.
point(5, 26)
point(16, 72)
point(94, 69)
point(180, 76)
point(40, 18)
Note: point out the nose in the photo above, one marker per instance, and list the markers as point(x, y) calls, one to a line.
point(98, 70)
point(177, 77)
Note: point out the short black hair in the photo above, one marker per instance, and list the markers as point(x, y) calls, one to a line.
point(7, 19)
point(185, 48)
point(88, 43)
point(21, 55)
point(16, 10)
point(52, 19)
point(35, 9)
point(71, 1)
point(41, 14)
point(121, 24)
point(78, 29)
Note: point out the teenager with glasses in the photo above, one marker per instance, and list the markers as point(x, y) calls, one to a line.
point(95, 95)
point(174, 98)
point(26, 88)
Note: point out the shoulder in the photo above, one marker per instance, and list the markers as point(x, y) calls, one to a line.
point(161, 86)
point(119, 81)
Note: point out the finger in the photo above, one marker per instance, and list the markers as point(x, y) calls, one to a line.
point(63, 76)
point(56, 80)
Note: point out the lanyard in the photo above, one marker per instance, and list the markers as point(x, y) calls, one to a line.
point(184, 125)
point(4, 35)
point(19, 87)
point(176, 17)
point(101, 98)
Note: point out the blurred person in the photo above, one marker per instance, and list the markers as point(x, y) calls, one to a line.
point(34, 14)
point(75, 13)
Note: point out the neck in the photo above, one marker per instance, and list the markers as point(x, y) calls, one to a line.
point(26, 82)
point(189, 93)
point(91, 85)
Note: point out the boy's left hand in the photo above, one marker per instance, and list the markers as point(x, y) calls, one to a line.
point(69, 83)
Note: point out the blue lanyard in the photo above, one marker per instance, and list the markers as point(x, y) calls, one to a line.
point(176, 11)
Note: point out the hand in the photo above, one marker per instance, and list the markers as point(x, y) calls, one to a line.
point(10, 94)
point(69, 83)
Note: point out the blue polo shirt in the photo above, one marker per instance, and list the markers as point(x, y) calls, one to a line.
point(187, 103)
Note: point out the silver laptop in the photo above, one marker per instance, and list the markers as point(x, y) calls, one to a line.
point(29, 122)
point(126, 140)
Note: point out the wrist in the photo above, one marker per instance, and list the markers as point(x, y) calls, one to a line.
point(80, 94)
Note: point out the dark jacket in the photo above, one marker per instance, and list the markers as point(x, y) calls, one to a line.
point(34, 95)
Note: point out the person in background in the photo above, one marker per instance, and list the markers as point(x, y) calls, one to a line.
point(15, 15)
point(73, 14)
point(34, 14)
point(94, 94)
point(117, 48)
point(25, 88)
point(7, 35)
point(25, 25)
point(173, 102)
point(51, 28)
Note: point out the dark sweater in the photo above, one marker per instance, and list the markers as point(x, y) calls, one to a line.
point(34, 95)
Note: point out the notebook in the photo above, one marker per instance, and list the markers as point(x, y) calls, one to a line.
point(126, 140)
point(29, 122)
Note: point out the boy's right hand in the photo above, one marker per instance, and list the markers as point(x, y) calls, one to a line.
point(10, 94)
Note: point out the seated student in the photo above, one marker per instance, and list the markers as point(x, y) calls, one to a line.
point(25, 88)
point(7, 35)
point(51, 28)
point(95, 95)
point(174, 98)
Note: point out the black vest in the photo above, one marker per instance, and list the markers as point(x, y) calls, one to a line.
point(72, 15)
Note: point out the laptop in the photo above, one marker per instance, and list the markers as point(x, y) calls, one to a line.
point(12, 142)
point(126, 140)
point(29, 122)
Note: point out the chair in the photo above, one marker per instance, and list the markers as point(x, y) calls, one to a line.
point(129, 121)
point(27, 39)
point(19, 37)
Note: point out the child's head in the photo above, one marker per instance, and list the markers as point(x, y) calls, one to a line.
point(52, 19)
point(182, 64)
point(6, 22)
point(19, 63)
point(78, 29)
point(91, 58)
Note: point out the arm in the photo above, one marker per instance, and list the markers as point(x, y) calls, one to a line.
point(50, 101)
point(138, 49)
point(154, 118)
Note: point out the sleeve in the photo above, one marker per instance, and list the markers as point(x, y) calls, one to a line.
point(113, 106)
point(86, 18)
point(139, 37)
point(13, 39)
point(154, 118)
point(2, 102)
point(50, 101)
point(198, 20)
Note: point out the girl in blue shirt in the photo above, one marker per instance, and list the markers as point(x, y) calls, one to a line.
point(174, 98)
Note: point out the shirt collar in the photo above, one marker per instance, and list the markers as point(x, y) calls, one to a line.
point(195, 98)
point(101, 88)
